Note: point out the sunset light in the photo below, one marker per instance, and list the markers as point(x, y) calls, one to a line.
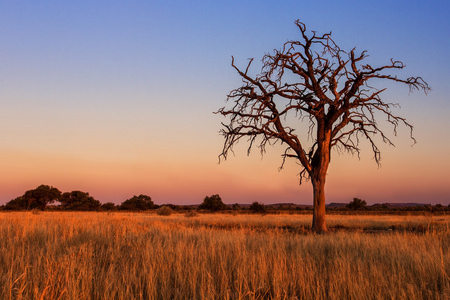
point(117, 99)
point(203, 150)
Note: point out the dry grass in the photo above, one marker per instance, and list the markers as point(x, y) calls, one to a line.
point(146, 256)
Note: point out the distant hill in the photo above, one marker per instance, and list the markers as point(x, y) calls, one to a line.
point(392, 205)
point(277, 206)
point(287, 206)
point(402, 204)
point(331, 205)
point(336, 205)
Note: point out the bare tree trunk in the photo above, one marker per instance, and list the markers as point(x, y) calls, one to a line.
point(319, 224)
point(321, 161)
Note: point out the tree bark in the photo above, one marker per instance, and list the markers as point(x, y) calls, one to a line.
point(319, 225)
point(321, 161)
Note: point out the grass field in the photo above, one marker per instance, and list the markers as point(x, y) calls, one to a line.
point(55, 255)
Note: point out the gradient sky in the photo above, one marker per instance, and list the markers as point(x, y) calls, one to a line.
point(115, 98)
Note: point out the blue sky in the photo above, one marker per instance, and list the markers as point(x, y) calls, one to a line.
point(116, 97)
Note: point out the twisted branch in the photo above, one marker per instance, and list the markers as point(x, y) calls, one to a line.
point(312, 79)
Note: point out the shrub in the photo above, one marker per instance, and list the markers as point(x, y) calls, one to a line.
point(191, 214)
point(236, 206)
point(35, 211)
point(164, 211)
point(108, 206)
point(257, 207)
point(357, 204)
point(213, 203)
point(18, 203)
point(141, 202)
point(78, 200)
point(37, 198)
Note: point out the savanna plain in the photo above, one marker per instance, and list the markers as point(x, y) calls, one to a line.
point(121, 255)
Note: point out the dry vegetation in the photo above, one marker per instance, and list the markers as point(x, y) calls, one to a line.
point(219, 256)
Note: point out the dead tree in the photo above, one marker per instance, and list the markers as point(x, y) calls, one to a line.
point(312, 81)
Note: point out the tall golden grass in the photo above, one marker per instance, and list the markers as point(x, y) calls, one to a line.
point(145, 256)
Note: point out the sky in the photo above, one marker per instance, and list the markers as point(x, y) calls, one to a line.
point(116, 98)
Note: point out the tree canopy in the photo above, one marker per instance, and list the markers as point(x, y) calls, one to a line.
point(213, 203)
point(37, 198)
point(141, 202)
point(77, 200)
point(357, 203)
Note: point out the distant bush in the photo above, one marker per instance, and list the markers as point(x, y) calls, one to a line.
point(236, 206)
point(357, 204)
point(108, 206)
point(213, 203)
point(191, 214)
point(141, 202)
point(164, 211)
point(35, 211)
point(438, 207)
point(37, 198)
point(77, 200)
point(18, 203)
point(257, 207)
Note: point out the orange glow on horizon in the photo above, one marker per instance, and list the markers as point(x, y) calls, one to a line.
point(237, 180)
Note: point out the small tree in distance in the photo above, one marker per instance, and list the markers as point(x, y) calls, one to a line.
point(236, 206)
point(141, 202)
point(37, 198)
point(257, 207)
point(213, 203)
point(312, 79)
point(18, 203)
point(356, 204)
point(108, 206)
point(77, 200)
